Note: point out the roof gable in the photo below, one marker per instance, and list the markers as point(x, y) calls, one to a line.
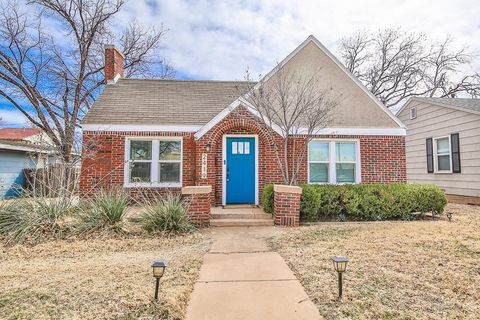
point(358, 107)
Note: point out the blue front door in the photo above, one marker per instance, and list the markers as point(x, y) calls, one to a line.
point(240, 170)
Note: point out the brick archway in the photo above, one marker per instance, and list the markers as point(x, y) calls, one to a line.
point(241, 121)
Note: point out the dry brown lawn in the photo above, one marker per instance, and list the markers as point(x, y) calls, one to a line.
point(99, 279)
point(397, 270)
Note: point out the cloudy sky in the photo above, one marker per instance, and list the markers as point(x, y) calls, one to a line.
point(220, 39)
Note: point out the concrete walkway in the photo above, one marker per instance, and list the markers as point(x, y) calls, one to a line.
point(241, 278)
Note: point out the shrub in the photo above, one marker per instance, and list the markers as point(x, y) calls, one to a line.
point(370, 202)
point(267, 198)
point(167, 214)
point(34, 219)
point(104, 211)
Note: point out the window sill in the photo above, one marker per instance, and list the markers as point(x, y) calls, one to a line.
point(443, 172)
point(152, 185)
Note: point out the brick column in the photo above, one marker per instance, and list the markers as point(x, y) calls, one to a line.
point(286, 205)
point(199, 198)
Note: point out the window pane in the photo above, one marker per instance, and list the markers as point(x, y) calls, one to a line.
point(443, 146)
point(345, 151)
point(170, 150)
point(247, 147)
point(318, 172)
point(444, 162)
point(234, 148)
point(240, 148)
point(169, 172)
point(318, 151)
point(140, 172)
point(345, 172)
point(140, 150)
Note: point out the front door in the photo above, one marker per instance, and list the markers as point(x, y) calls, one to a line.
point(240, 170)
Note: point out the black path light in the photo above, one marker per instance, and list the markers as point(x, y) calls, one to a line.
point(340, 265)
point(158, 271)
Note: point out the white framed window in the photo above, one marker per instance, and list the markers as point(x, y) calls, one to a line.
point(413, 113)
point(155, 162)
point(333, 161)
point(442, 155)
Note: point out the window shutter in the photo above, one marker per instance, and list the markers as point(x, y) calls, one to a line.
point(429, 155)
point(455, 141)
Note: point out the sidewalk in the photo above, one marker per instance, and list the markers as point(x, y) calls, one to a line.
point(241, 278)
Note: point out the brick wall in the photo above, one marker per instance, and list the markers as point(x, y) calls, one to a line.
point(286, 205)
point(199, 203)
point(382, 157)
point(104, 159)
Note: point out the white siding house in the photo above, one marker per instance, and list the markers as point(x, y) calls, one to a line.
point(434, 126)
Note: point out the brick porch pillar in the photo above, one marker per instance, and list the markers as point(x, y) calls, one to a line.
point(199, 198)
point(286, 205)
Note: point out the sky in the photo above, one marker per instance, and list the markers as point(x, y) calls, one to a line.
point(221, 39)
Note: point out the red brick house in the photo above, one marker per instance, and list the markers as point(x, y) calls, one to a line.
point(169, 134)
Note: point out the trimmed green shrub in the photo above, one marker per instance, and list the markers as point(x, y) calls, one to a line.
point(34, 219)
point(167, 214)
point(370, 202)
point(267, 198)
point(104, 211)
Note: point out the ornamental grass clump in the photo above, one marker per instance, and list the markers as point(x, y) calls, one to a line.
point(166, 214)
point(103, 212)
point(35, 219)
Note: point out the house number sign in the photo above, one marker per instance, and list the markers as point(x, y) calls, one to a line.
point(204, 165)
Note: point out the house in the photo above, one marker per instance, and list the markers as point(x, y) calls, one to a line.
point(169, 134)
point(20, 149)
point(443, 145)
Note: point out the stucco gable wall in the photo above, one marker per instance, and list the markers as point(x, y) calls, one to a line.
point(355, 108)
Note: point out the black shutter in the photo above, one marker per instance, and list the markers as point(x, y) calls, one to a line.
point(455, 140)
point(429, 155)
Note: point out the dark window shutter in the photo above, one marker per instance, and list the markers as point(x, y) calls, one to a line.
point(429, 155)
point(455, 141)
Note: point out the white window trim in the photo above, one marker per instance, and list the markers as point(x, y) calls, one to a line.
point(155, 167)
point(332, 170)
point(412, 111)
point(435, 155)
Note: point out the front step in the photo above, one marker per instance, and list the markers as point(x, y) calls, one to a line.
point(241, 222)
point(228, 215)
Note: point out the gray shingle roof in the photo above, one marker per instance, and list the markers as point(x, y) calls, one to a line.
point(464, 103)
point(163, 102)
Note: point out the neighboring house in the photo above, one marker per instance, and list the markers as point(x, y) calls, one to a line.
point(167, 134)
point(443, 145)
point(20, 149)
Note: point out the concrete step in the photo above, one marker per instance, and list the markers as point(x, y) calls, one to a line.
point(228, 215)
point(241, 222)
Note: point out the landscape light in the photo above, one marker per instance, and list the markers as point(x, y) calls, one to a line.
point(340, 265)
point(158, 271)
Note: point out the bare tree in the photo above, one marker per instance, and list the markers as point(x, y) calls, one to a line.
point(292, 108)
point(395, 65)
point(52, 81)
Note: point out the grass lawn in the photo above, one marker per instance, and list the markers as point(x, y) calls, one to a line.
point(99, 278)
point(397, 270)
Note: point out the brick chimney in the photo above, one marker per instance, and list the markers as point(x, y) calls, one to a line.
point(114, 62)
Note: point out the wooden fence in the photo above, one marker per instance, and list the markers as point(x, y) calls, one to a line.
point(52, 181)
